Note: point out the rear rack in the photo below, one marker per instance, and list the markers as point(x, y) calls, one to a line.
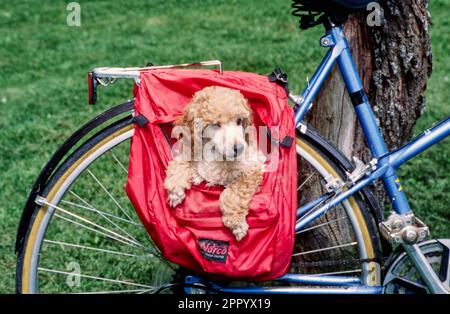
point(109, 75)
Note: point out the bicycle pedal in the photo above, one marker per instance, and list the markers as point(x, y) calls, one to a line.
point(408, 229)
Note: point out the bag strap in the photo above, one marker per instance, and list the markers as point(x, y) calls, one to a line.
point(285, 142)
point(142, 121)
point(280, 77)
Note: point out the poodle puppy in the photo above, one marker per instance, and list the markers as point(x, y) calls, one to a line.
point(218, 131)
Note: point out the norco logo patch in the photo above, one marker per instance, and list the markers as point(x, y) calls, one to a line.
point(213, 250)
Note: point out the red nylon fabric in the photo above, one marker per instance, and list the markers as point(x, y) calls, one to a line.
point(180, 232)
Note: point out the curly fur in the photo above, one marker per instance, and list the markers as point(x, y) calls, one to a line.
point(228, 110)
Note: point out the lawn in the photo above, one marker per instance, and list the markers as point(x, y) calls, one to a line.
point(43, 66)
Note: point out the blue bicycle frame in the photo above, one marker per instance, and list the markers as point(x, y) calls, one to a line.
point(385, 170)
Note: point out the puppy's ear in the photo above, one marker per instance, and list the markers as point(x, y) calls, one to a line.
point(186, 138)
point(186, 118)
point(249, 132)
point(246, 122)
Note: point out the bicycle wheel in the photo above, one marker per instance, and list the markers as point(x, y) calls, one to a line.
point(84, 236)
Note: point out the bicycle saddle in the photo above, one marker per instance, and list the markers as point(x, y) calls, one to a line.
point(326, 5)
point(315, 12)
point(353, 4)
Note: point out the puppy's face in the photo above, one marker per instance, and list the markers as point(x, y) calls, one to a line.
point(218, 118)
point(227, 138)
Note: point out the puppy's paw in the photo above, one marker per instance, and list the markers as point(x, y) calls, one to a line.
point(238, 227)
point(176, 196)
point(196, 179)
point(240, 231)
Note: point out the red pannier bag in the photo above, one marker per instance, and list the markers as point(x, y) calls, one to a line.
point(192, 234)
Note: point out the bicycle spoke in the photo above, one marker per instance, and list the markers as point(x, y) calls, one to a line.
point(146, 291)
point(119, 162)
point(318, 206)
point(95, 210)
point(326, 249)
point(131, 222)
point(88, 206)
point(106, 218)
point(320, 225)
point(119, 218)
point(90, 248)
point(113, 281)
point(95, 230)
point(109, 194)
point(306, 181)
point(118, 227)
point(90, 222)
point(152, 252)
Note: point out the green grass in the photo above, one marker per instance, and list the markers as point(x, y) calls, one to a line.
point(43, 66)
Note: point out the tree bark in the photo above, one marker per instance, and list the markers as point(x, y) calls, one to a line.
point(394, 61)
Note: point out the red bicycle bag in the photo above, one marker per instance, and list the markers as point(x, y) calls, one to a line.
point(192, 234)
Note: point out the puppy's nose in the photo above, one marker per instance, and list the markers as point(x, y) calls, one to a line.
point(238, 148)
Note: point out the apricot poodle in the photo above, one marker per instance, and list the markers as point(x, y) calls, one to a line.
point(217, 146)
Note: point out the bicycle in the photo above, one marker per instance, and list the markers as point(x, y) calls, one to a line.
point(67, 208)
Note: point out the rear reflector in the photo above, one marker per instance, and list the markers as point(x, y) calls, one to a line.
point(92, 89)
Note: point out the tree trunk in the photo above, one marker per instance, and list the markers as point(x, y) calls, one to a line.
point(394, 62)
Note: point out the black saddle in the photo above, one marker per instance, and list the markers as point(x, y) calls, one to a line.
point(314, 12)
point(325, 5)
point(353, 4)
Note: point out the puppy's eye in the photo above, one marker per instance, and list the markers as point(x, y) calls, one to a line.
point(239, 121)
point(215, 125)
